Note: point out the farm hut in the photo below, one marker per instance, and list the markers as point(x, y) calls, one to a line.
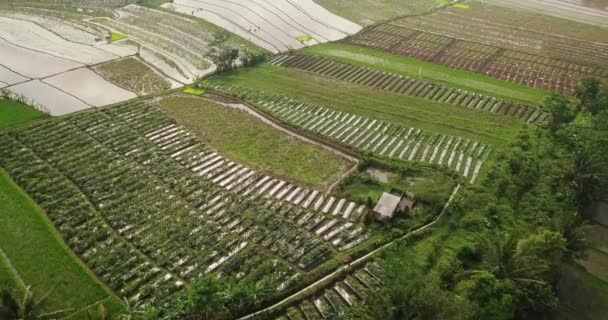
point(386, 206)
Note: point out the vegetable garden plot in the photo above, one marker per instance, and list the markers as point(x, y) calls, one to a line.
point(405, 85)
point(531, 69)
point(273, 25)
point(370, 135)
point(146, 206)
point(339, 296)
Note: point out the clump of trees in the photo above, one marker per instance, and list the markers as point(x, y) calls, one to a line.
point(227, 56)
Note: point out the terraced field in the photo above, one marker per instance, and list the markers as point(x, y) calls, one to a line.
point(404, 85)
point(483, 39)
point(367, 134)
point(276, 26)
point(108, 179)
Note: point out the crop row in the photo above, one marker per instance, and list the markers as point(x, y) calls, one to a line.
point(370, 135)
point(162, 24)
point(160, 42)
point(145, 222)
point(514, 66)
point(404, 85)
point(340, 296)
point(481, 26)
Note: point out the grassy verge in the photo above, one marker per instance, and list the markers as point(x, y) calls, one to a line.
point(428, 71)
point(39, 255)
point(133, 75)
point(398, 109)
point(13, 113)
point(246, 139)
point(116, 37)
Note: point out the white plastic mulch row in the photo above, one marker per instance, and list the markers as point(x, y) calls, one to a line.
point(274, 25)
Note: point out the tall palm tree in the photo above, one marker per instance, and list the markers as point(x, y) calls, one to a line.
point(26, 308)
point(503, 260)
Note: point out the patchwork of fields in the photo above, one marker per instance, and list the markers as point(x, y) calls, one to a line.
point(487, 40)
point(90, 168)
point(147, 170)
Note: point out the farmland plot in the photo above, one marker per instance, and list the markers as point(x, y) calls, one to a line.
point(545, 58)
point(340, 296)
point(50, 71)
point(29, 35)
point(273, 25)
point(89, 87)
point(382, 138)
point(591, 12)
point(150, 209)
point(190, 64)
point(404, 85)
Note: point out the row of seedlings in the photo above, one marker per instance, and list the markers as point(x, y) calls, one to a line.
point(483, 30)
point(405, 85)
point(502, 63)
point(178, 149)
point(332, 219)
point(340, 296)
point(118, 263)
point(462, 155)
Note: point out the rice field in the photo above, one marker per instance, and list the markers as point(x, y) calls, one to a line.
point(276, 26)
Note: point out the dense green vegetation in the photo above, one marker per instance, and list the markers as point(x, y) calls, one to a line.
point(13, 113)
point(402, 110)
point(427, 71)
point(246, 139)
point(511, 243)
point(39, 255)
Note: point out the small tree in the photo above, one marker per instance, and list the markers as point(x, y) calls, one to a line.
point(588, 91)
point(206, 298)
point(221, 53)
point(561, 111)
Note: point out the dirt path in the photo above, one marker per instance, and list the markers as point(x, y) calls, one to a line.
point(347, 267)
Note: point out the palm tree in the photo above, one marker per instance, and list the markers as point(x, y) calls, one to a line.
point(502, 259)
point(26, 308)
point(132, 311)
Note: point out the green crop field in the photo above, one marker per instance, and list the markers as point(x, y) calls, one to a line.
point(14, 113)
point(399, 109)
point(39, 255)
point(246, 139)
point(428, 71)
